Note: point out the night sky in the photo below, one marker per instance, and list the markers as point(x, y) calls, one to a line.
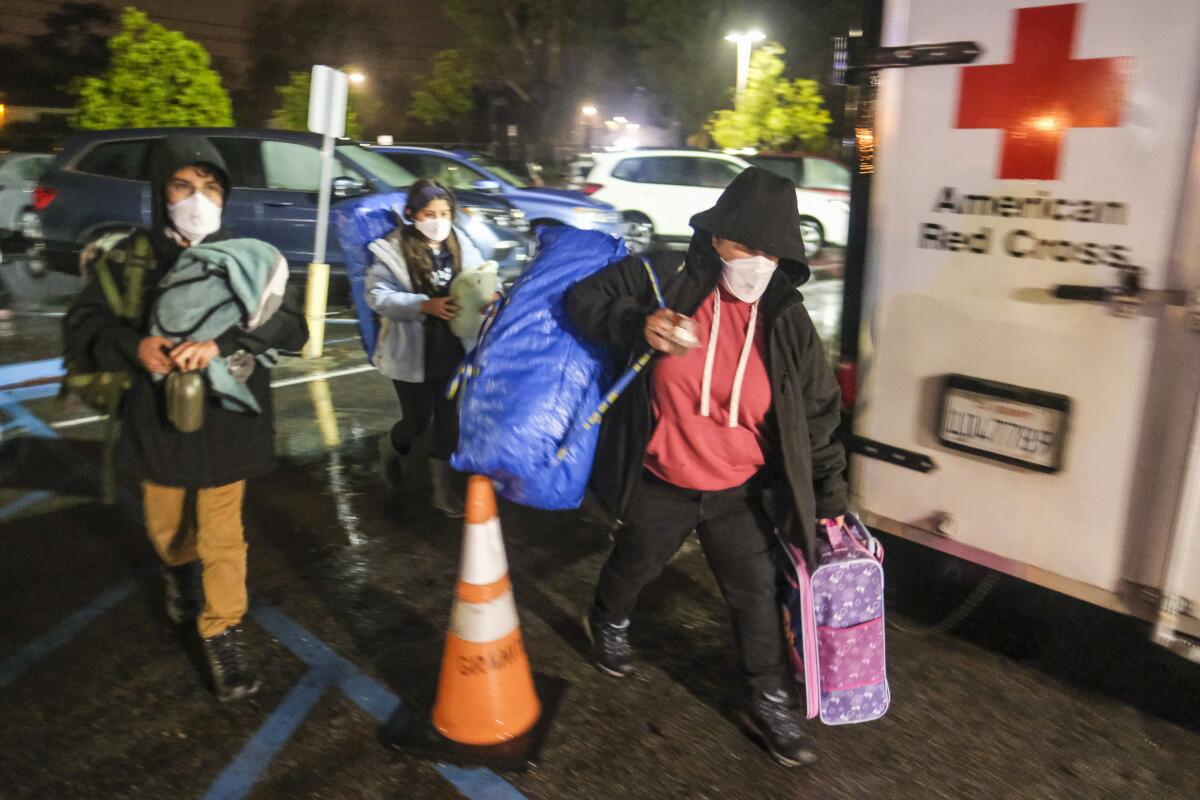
point(220, 25)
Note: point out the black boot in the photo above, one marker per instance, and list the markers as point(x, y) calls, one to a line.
point(389, 464)
point(183, 592)
point(611, 651)
point(774, 719)
point(447, 494)
point(227, 662)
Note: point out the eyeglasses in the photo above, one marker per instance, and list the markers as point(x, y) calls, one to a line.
point(178, 190)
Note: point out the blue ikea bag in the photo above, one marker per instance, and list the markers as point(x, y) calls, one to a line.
point(358, 222)
point(533, 389)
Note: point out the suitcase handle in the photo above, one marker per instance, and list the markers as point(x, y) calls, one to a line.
point(857, 536)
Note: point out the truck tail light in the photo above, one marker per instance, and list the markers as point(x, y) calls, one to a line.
point(847, 378)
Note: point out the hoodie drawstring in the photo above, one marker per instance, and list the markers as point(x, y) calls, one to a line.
point(710, 358)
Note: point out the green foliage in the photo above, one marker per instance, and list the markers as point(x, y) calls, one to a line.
point(446, 94)
point(156, 78)
point(292, 114)
point(774, 112)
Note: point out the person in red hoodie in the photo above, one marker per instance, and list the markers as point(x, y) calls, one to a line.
point(730, 434)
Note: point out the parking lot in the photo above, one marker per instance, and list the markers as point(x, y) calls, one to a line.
point(1034, 696)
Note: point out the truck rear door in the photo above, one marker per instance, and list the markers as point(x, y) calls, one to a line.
point(1058, 158)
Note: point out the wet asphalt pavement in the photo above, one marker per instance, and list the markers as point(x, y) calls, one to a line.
point(1034, 696)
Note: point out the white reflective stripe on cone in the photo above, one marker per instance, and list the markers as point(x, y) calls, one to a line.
point(484, 622)
point(483, 560)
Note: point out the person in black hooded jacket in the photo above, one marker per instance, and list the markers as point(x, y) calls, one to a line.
point(731, 433)
point(189, 188)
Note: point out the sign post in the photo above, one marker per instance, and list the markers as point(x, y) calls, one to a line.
point(326, 116)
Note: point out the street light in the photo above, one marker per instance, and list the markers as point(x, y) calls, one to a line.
point(357, 78)
point(744, 42)
point(589, 112)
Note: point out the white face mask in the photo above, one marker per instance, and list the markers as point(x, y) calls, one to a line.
point(747, 278)
point(435, 230)
point(195, 217)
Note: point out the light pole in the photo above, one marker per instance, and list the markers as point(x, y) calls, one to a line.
point(589, 112)
point(744, 42)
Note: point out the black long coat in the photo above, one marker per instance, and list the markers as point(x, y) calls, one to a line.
point(231, 446)
point(805, 462)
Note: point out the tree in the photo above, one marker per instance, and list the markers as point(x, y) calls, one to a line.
point(40, 71)
point(680, 55)
point(546, 55)
point(286, 36)
point(774, 112)
point(156, 77)
point(446, 94)
point(292, 114)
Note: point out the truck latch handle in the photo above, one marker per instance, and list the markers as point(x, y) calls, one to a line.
point(1125, 298)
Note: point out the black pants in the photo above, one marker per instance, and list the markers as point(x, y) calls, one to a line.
point(419, 402)
point(740, 546)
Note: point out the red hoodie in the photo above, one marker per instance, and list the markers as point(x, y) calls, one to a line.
point(693, 445)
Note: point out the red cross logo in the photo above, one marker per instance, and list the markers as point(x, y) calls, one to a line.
point(1043, 93)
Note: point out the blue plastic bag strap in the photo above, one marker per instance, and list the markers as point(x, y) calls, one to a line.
point(638, 364)
point(653, 276)
point(467, 369)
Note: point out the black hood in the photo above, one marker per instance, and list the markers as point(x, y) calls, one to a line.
point(703, 261)
point(168, 156)
point(758, 210)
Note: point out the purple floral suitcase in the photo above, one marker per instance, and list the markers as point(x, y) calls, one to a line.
point(835, 626)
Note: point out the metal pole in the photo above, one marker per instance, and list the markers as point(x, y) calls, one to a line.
point(743, 65)
point(323, 199)
point(316, 296)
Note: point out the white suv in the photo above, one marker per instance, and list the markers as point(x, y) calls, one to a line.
point(658, 191)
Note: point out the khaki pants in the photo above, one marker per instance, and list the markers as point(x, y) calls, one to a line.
point(214, 536)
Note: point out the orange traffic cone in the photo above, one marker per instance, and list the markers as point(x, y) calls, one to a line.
point(485, 694)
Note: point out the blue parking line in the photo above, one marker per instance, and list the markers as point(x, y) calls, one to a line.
point(239, 777)
point(23, 418)
point(41, 392)
point(31, 370)
point(20, 417)
point(475, 783)
point(23, 502)
point(33, 652)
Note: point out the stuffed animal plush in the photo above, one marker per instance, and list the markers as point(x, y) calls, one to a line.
point(473, 290)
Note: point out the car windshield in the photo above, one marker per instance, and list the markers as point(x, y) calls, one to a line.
point(500, 171)
point(378, 166)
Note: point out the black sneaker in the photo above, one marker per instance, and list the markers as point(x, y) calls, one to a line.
point(774, 719)
point(227, 662)
point(611, 652)
point(183, 592)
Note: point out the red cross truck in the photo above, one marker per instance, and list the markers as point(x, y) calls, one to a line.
point(1021, 340)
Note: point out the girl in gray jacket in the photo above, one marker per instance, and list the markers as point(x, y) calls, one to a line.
point(408, 286)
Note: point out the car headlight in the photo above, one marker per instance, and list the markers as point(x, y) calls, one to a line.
point(598, 216)
point(513, 219)
point(840, 205)
point(589, 216)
